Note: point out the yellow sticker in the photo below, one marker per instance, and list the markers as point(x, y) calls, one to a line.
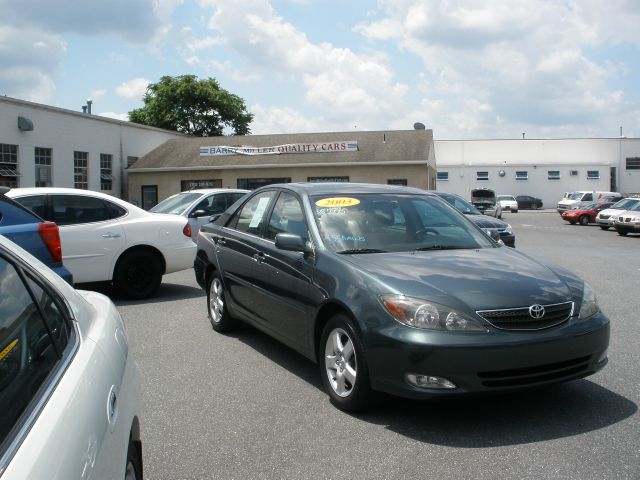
point(6, 351)
point(338, 202)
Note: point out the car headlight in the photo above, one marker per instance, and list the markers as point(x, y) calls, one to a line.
point(509, 230)
point(589, 305)
point(635, 219)
point(419, 313)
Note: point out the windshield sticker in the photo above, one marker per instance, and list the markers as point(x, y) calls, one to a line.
point(346, 238)
point(337, 202)
point(259, 212)
point(331, 211)
point(7, 350)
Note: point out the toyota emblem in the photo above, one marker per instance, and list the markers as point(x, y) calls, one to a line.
point(536, 311)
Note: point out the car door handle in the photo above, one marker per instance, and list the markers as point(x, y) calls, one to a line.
point(110, 235)
point(220, 240)
point(259, 257)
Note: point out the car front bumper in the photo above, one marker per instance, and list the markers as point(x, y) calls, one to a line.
point(485, 362)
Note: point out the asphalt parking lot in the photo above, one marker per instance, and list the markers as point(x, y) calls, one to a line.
point(244, 406)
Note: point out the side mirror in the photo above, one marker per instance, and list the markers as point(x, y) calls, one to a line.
point(292, 242)
point(214, 217)
point(494, 234)
point(198, 214)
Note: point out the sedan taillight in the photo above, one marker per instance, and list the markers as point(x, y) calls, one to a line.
point(187, 230)
point(51, 237)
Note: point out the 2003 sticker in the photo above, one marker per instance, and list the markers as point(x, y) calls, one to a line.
point(337, 202)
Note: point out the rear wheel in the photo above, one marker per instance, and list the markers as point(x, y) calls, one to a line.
point(138, 275)
point(584, 220)
point(572, 222)
point(343, 367)
point(219, 316)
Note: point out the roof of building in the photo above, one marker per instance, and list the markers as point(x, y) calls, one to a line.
point(373, 147)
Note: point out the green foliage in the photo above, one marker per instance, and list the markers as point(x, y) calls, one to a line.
point(196, 107)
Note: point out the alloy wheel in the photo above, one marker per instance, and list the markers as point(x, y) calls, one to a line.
point(216, 301)
point(340, 362)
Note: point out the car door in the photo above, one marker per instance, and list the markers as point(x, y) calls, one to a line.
point(283, 278)
point(237, 252)
point(91, 235)
point(212, 204)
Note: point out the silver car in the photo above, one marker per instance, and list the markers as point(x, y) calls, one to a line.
point(69, 387)
point(605, 218)
point(199, 205)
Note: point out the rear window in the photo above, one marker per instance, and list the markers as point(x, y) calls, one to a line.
point(12, 213)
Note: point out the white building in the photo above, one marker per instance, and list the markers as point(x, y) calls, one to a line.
point(541, 168)
point(48, 146)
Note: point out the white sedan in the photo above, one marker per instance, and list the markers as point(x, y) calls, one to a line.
point(69, 387)
point(508, 202)
point(105, 238)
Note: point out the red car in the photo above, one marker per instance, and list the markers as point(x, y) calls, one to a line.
point(585, 214)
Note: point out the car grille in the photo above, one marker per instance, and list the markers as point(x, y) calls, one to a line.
point(605, 217)
point(573, 368)
point(520, 319)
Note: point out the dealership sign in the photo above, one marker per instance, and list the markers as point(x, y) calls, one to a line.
point(321, 147)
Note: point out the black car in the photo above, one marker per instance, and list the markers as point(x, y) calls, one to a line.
point(528, 202)
point(485, 222)
point(391, 289)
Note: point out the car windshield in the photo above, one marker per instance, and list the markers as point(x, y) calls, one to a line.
point(589, 206)
point(506, 197)
point(575, 196)
point(625, 203)
point(459, 203)
point(375, 223)
point(635, 208)
point(177, 203)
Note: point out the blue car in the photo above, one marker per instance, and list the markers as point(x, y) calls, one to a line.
point(40, 238)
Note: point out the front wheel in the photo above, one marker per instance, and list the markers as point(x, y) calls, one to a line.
point(343, 367)
point(138, 275)
point(584, 220)
point(133, 468)
point(622, 233)
point(604, 227)
point(219, 316)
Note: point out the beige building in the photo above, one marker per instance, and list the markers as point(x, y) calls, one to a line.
point(404, 157)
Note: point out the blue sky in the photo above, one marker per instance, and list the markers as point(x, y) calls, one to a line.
point(467, 69)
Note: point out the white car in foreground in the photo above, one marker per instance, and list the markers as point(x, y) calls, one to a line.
point(508, 202)
point(69, 387)
point(105, 238)
point(198, 205)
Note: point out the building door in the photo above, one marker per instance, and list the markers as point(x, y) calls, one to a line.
point(614, 183)
point(149, 196)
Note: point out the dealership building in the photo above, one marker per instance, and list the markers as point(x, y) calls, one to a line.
point(42, 145)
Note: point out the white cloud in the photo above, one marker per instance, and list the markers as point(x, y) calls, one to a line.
point(116, 116)
point(98, 92)
point(134, 89)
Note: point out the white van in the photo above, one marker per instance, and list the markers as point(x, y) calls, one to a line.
point(584, 196)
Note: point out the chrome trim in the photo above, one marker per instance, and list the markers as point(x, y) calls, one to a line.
point(571, 313)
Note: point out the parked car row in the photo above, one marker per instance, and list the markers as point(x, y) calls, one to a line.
point(623, 216)
point(519, 202)
point(391, 289)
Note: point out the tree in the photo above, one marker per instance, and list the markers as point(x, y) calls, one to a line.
point(196, 107)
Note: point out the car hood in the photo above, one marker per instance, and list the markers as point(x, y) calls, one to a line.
point(611, 211)
point(473, 279)
point(485, 221)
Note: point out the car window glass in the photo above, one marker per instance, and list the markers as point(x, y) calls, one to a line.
point(115, 211)
point(35, 203)
point(58, 326)
point(177, 203)
point(27, 354)
point(213, 204)
point(251, 216)
point(73, 209)
point(287, 217)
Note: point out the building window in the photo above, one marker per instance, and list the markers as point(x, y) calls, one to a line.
point(81, 170)
point(573, 173)
point(482, 175)
point(443, 176)
point(106, 166)
point(253, 183)
point(149, 196)
point(397, 181)
point(633, 163)
point(327, 179)
point(553, 174)
point(42, 160)
point(9, 165)
point(522, 175)
point(593, 174)
point(191, 184)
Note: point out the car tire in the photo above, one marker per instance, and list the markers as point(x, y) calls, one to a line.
point(514, 211)
point(622, 233)
point(572, 222)
point(218, 313)
point(138, 275)
point(604, 227)
point(584, 220)
point(343, 367)
point(133, 467)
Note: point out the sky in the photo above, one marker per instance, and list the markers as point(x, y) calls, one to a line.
point(467, 69)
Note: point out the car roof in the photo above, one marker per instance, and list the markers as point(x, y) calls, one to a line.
point(339, 188)
point(206, 191)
